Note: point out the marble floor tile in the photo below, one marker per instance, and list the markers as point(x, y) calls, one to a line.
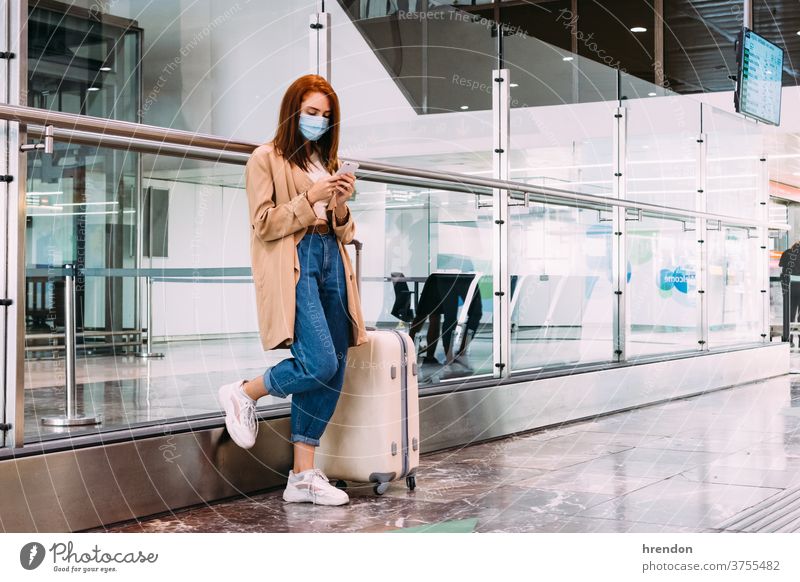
point(530, 453)
point(679, 502)
point(701, 444)
point(764, 456)
point(443, 483)
point(647, 463)
point(754, 477)
point(578, 479)
point(572, 524)
point(621, 439)
point(517, 507)
point(269, 513)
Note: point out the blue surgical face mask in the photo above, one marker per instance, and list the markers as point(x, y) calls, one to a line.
point(313, 126)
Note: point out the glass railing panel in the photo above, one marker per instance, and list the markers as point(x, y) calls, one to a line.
point(415, 91)
point(213, 67)
point(561, 286)
point(734, 149)
point(631, 87)
point(88, 210)
point(663, 150)
point(735, 300)
point(566, 147)
point(543, 74)
point(82, 61)
point(81, 209)
point(427, 270)
point(662, 286)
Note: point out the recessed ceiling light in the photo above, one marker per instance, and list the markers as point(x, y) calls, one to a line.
point(106, 69)
point(465, 107)
point(638, 29)
point(93, 89)
point(567, 58)
point(513, 84)
point(651, 94)
point(798, 32)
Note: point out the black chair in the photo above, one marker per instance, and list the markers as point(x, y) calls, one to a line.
point(402, 309)
point(440, 298)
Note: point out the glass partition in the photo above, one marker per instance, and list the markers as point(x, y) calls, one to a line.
point(83, 61)
point(662, 286)
point(734, 287)
point(427, 269)
point(415, 86)
point(82, 207)
point(663, 150)
point(90, 210)
point(211, 67)
point(567, 147)
point(561, 292)
point(734, 149)
point(542, 74)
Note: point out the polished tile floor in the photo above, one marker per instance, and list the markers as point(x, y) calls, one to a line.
point(699, 464)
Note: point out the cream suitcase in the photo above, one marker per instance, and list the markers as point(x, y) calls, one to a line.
point(373, 435)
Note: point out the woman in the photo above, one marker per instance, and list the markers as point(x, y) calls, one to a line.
point(306, 292)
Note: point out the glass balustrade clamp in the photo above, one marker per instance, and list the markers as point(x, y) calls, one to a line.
point(46, 145)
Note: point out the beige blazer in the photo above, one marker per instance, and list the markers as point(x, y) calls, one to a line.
point(278, 219)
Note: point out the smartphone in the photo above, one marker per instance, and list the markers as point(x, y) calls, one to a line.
point(347, 167)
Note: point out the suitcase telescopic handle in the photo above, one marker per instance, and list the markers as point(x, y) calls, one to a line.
point(358, 245)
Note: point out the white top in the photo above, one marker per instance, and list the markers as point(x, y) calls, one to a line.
point(316, 172)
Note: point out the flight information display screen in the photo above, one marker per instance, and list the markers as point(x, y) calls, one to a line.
point(759, 79)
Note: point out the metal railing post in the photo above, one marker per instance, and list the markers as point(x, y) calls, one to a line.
point(763, 246)
point(501, 320)
point(149, 353)
point(319, 43)
point(70, 416)
point(701, 228)
point(619, 258)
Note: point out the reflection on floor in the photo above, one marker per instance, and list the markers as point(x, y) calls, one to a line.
point(692, 465)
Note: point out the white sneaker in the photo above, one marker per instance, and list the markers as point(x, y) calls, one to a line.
point(312, 485)
point(240, 414)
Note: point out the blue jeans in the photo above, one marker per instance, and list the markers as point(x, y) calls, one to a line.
point(322, 330)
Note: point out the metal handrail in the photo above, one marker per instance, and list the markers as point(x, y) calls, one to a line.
point(95, 131)
point(87, 123)
point(144, 146)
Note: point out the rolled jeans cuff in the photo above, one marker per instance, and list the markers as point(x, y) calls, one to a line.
point(299, 438)
point(271, 390)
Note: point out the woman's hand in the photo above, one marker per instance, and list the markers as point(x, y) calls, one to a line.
point(345, 187)
point(322, 189)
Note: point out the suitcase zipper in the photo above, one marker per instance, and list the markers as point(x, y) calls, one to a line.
point(404, 396)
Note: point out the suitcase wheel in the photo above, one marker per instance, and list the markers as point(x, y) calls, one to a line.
point(341, 484)
point(411, 482)
point(380, 488)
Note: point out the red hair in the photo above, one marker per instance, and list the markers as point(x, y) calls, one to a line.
point(288, 140)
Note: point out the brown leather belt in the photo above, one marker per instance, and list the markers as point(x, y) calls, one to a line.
point(318, 228)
